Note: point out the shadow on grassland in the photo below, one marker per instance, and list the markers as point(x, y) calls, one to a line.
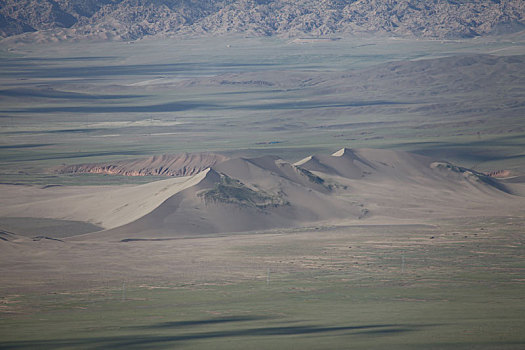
point(185, 106)
point(57, 94)
point(32, 69)
point(186, 331)
point(26, 145)
point(163, 107)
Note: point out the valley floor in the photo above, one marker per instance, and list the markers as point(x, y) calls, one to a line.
point(439, 284)
point(369, 247)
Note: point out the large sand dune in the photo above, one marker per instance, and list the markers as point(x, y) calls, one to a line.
point(104, 206)
point(398, 166)
point(242, 194)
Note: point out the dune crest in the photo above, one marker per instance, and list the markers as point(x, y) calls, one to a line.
point(343, 151)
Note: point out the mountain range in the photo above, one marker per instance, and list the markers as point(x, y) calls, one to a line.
point(135, 19)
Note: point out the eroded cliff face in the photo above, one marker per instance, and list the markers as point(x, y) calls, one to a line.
point(184, 164)
point(133, 19)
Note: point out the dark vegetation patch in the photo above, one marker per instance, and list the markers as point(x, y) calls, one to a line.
point(125, 240)
point(46, 228)
point(6, 235)
point(232, 191)
point(313, 178)
point(472, 175)
point(40, 238)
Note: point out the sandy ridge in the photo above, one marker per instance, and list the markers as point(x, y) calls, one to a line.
point(245, 194)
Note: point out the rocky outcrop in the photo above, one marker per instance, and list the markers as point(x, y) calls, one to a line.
point(184, 164)
point(10, 26)
point(499, 174)
point(39, 15)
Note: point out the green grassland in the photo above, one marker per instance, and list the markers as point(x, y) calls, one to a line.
point(455, 285)
point(85, 102)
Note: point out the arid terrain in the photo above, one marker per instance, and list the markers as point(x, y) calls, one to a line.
point(260, 251)
point(336, 174)
point(246, 194)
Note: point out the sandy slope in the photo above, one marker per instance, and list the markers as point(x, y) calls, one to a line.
point(241, 194)
point(105, 206)
point(401, 185)
point(293, 203)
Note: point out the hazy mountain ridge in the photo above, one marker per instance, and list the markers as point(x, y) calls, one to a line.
point(133, 19)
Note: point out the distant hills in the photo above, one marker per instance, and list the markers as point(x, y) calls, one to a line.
point(135, 19)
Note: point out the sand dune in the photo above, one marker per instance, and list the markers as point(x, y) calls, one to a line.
point(101, 206)
point(243, 194)
point(343, 163)
point(355, 164)
point(264, 171)
point(398, 166)
point(401, 185)
point(265, 193)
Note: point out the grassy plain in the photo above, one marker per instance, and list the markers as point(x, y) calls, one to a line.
point(84, 102)
point(453, 284)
